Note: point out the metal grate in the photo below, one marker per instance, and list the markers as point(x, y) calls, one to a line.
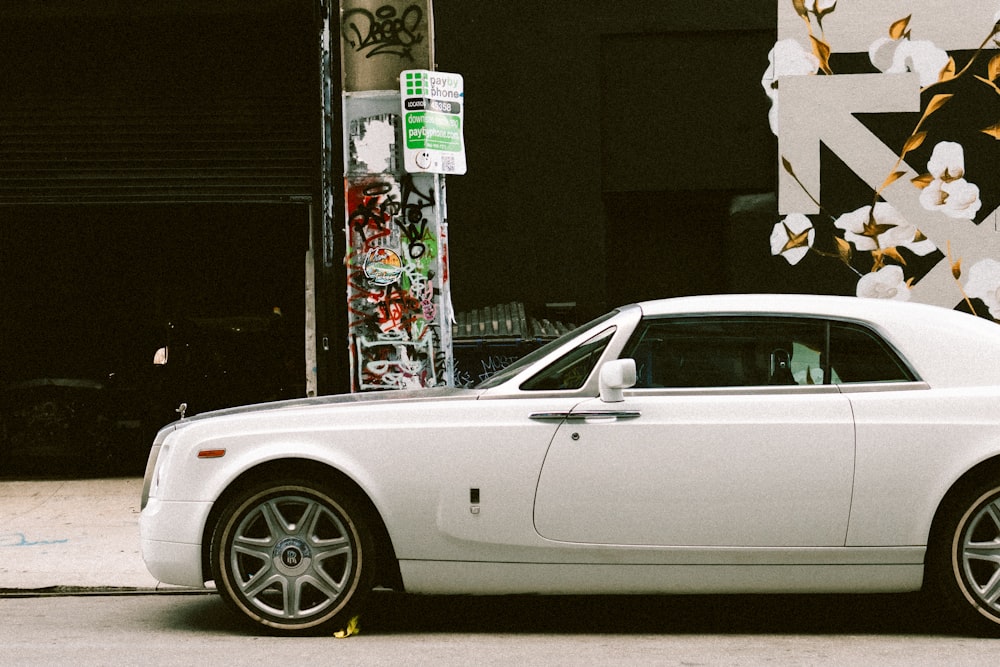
point(117, 151)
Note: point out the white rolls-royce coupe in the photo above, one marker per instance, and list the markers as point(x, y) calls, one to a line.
point(717, 444)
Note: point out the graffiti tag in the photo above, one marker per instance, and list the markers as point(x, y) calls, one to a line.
point(412, 221)
point(21, 540)
point(384, 33)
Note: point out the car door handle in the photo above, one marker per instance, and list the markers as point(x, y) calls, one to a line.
point(586, 414)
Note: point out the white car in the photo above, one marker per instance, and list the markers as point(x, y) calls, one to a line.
point(717, 444)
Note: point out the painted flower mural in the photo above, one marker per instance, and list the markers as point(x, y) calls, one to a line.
point(887, 253)
point(787, 58)
point(792, 238)
point(895, 56)
point(949, 192)
point(886, 283)
point(984, 284)
point(880, 228)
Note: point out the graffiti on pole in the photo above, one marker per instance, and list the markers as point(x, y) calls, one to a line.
point(382, 37)
point(395, 281)
point(399, 330)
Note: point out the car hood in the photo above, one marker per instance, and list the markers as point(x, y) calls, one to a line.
point(402, 395)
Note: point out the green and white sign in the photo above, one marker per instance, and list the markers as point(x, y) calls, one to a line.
point(433, 121)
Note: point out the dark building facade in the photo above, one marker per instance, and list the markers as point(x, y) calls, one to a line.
point(164, 163)
point(606, 144)
point(158, 166)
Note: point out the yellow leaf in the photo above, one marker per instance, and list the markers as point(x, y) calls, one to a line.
point(820, 13)
point(936, 103)
point(914, 142)
point(822, 51)
point(353, 628)
point(891, 253)
point(799, 240)
point(922, 181)
point(843, 249)
point(993, 131)
point(993, 69)
point(873, 229)
point(989, 83)
point(892, 178)
point(898, 28)
point(947, 72)
point(800, 8)
point(956, 269)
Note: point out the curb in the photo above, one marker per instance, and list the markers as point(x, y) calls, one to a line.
point(81, 591)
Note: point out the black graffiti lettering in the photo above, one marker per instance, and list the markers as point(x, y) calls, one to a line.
point(398, 308)
point(413, 222)
point(374, 212)
point(377, 189)
point(385, 32)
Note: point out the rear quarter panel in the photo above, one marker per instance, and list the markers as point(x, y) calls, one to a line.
point(912, 446)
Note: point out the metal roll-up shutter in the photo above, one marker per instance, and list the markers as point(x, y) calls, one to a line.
point(97, 151)
point(188, 101)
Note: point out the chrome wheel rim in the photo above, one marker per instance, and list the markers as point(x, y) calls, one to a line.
point(293, 557)
point(979, 554)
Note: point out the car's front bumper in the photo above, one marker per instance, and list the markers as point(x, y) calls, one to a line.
point(171, 541)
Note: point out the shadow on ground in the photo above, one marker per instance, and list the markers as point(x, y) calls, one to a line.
point(392, 613)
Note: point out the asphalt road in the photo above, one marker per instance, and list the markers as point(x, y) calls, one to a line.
point(191, 629)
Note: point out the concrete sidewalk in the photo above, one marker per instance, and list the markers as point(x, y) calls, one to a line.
point(72, 534)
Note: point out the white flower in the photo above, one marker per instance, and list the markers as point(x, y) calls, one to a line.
point(786, 58)
point(886, 283)
point(947, 162)
point(896, 56)
point(787, 238)
point(949, 192)
point(887, 228)
point(956, 199)
point(984, 284)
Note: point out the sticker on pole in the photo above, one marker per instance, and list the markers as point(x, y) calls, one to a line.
point(433, 119)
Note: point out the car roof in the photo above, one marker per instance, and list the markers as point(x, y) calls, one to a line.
point(798, 304)
point(947, 348)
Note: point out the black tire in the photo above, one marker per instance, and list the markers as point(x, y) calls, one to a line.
point(963, 558)
point(293, 556)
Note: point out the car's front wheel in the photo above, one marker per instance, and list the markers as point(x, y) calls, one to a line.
point(293, 556)
point(963, 557)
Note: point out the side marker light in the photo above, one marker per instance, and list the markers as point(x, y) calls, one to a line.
point(211, 453)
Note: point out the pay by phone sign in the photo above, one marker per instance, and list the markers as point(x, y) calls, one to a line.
point(433, 108)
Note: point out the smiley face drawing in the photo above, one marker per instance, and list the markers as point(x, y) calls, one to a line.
point(423, 159)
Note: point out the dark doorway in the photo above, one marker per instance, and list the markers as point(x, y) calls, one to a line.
point(663, 244)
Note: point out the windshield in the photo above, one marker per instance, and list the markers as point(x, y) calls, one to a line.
point(530, 358)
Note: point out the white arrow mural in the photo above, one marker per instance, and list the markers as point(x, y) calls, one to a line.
point(916, 202)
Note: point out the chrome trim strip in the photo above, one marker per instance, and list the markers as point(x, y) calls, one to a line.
point(587, 414)
point(604, 414)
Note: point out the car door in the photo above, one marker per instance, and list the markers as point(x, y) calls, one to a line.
point(751, 449)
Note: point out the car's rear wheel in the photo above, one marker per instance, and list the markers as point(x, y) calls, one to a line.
point(963, 557)
point(293, 556)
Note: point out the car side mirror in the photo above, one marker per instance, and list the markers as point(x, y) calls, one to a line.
point(617, 376)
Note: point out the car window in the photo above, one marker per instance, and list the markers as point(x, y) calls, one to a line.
point(861, 356)
point(737, 351)
point(532, 357)
point(571, 370)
